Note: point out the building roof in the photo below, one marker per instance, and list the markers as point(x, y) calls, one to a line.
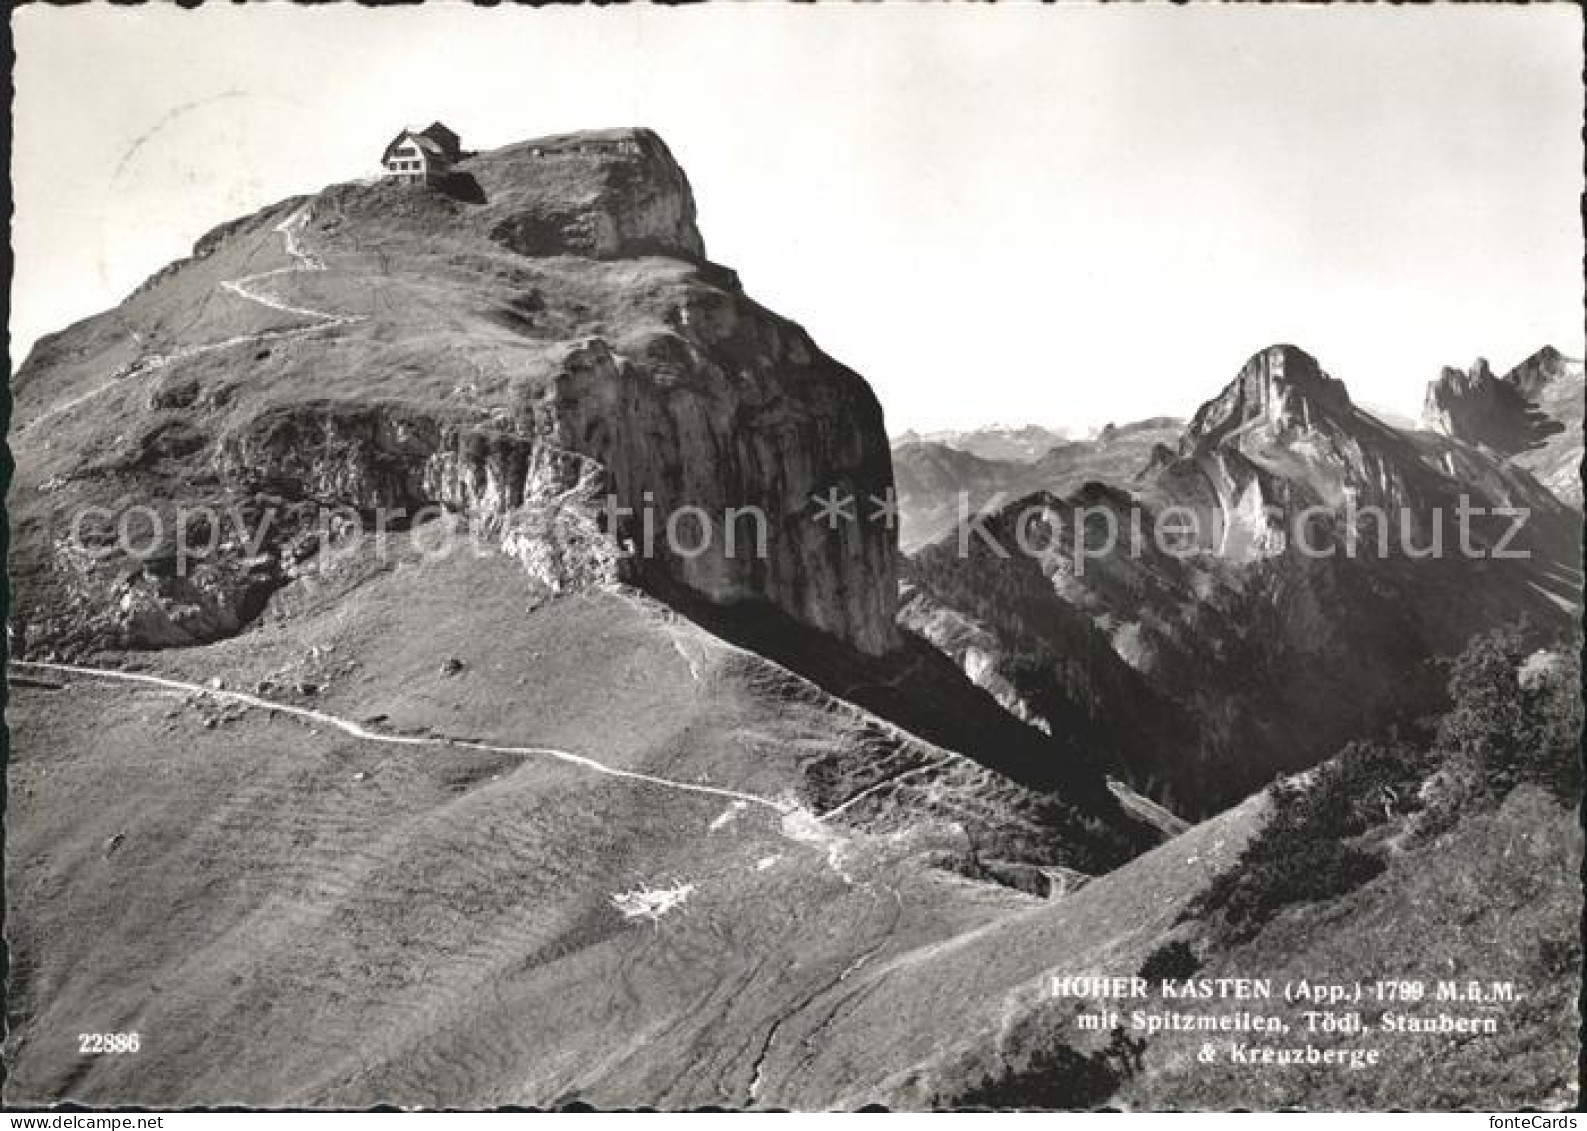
point(435, 140)
point(448, 138)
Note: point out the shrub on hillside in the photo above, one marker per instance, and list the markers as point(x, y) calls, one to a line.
point(1173, 961)
point(1365, 784)
point(1298, 857)
point(1301, 854)
point(1453, 789)
point(1513, 721)
point(1515, 718)
point(1037, 1070)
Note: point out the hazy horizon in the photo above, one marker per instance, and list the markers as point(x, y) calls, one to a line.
point(1062, 216)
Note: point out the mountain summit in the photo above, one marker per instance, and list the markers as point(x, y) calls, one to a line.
point(1278, 388)
point(605, 194)
point(544, 310)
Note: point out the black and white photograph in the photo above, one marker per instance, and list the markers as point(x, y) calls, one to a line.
point(782, 557)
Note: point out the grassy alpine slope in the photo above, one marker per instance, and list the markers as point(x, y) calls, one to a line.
point(290, 915)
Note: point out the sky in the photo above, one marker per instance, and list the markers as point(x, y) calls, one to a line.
point(1061, 215)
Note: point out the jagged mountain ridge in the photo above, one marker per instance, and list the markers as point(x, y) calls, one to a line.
point(1271, 658)
point(1532, 415)
point(1284, 436)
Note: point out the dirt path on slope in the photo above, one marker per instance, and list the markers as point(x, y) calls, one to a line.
point(356, 730)
point(247, 288)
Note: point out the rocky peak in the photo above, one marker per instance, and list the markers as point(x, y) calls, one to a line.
point(1475, 405)
point(1544, 368)
point(1284, 436)
point(1279, 388)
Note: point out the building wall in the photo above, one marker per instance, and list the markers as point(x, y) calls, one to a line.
point(409, 163)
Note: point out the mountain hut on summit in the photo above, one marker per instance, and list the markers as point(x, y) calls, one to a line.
point(422, 155)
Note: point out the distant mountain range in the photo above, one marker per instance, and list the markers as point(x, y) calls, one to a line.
point(1015, 443)
point(935, 478)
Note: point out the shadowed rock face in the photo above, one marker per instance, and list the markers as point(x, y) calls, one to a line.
point(1474, 405)
point(560, 311)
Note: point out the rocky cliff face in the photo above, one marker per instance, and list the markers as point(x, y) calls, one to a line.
point(538, 333)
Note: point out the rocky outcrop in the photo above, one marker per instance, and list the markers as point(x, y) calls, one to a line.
point(395, 466)
point(719, 467)
point(708, 442)
point(602, 194)
point(1545, 369)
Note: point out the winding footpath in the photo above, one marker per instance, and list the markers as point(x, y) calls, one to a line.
point(247, 288)
point(356, 730)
